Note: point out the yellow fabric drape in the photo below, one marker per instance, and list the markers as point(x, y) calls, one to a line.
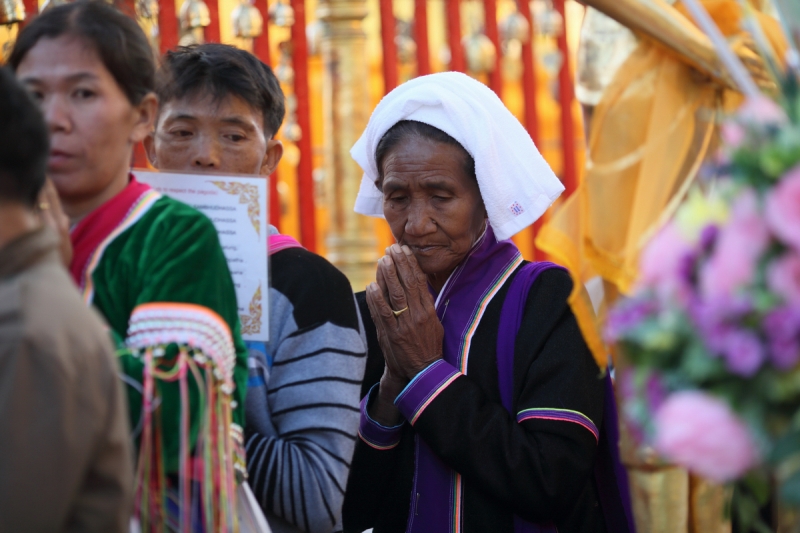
point(649, 134)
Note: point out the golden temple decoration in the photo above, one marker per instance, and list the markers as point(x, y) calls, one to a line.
point(247, 20)
point(251, 323)
point(480, 53)
point(281, 14)
point(248, 194)
point(53, 3)
point(193, 17)
point(515, 27)
point(351, 242)
point(11, 12)
point(194, 14)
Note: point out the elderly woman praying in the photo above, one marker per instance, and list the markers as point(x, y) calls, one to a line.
point(487, 406)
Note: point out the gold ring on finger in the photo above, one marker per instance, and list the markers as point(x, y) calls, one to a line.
point(44, 206)
point(400, 312)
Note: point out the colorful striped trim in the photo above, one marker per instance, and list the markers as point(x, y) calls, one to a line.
point(561, 415)
point(433, 395)
point(466, 343)
point(424, 388)
point(376, 445)
point(463, 363)
point(458, 507)
point(374, 434)
point(137, 210)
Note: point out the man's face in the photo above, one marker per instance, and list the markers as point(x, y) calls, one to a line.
point(198, 134)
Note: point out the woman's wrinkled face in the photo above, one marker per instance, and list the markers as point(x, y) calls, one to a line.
point(432, 205)
point(92, 124)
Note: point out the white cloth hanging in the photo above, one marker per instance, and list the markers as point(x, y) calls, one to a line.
point(516, 183)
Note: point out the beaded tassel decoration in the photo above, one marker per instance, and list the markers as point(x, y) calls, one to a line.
point(207, 467)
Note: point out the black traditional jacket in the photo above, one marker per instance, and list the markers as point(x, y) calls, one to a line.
point(537, 465)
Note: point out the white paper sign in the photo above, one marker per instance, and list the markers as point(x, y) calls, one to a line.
point(237, 206)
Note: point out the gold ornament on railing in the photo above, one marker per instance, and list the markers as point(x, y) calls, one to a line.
point(404, 41)
point(11, 12)
point(283, 70)
point(547, 20)
point(193, 17)
point(281, 14)
point(194, 14)
point(291, 129)
point(147, 13)
point(247, 20)
point(53, 3)
point(515, 27)
point(147, 9)
point(480, 53)
point(314, 31)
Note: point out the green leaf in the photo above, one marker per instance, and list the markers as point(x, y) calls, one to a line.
point(758, 484)
point(785, 447)
point(786, 386)
point(699, 366)
point(746, 509)
point(790, 490)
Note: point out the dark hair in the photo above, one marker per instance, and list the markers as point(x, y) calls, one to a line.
point(117, 38)
point(411, 128)
point(221, 70)
point(24, 145)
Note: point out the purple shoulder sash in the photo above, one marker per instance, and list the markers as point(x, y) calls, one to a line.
point(610, 477)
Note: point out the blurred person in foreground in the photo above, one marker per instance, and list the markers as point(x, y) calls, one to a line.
point(151, 265)
point(220, 109)
point(65, 452)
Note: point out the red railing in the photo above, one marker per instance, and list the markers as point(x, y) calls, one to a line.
point(388, 25)
point(31, 10)
point(529, 86)
point(490, 25)
point(453, 15)
point(566, 92)
point(167, 25)
point(212, 32)
point(305, 182)
point(262, 51)
point(421, 37)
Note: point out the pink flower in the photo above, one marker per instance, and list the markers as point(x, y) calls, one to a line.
point(737, 249)
point(783, 278)
point(701, 433)
point(783, 208)
point(762, 110)
point(733, 134)
point(663, 260)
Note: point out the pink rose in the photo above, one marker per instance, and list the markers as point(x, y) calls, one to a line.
point(737, 249)
point(733, 134)
point(762, 110)
point(663, 260)
point(701, 433)
point(783, 278)
point(783, 208)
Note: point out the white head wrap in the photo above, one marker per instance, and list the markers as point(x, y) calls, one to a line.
point(516, 183)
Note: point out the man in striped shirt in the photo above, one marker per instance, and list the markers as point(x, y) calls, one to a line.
point(220, 108)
